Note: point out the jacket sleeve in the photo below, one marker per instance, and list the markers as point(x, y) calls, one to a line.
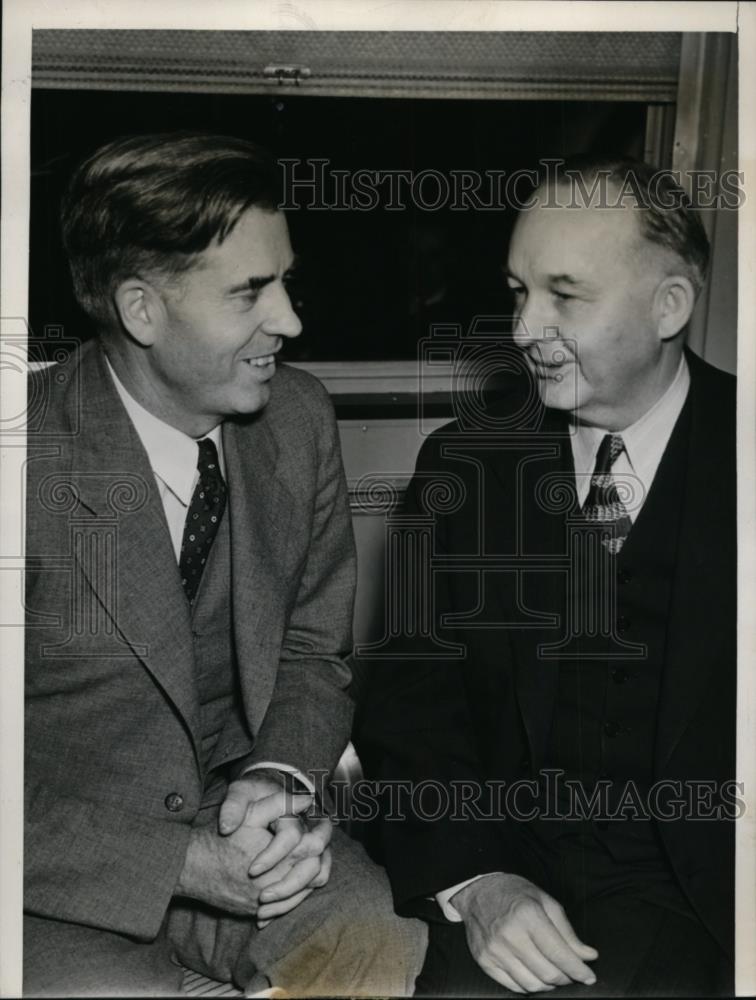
point(415, 732)
point(308, 722)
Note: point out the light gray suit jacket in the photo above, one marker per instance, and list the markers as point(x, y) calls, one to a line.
point(112, 714)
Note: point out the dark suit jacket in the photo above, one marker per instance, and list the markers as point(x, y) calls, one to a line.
point(488, 715)
point(112, 713)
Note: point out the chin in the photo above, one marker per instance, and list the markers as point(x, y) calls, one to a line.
point(559, 395)
point(259, 399)
point(245, 403)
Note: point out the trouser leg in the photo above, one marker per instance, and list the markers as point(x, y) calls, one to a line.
point(650, 941)
point(644, 951)
point(343, 940)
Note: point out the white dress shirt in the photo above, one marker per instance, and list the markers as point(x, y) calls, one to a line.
point(645, 441)
point(173, 457)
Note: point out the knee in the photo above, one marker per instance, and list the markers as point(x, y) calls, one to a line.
point(384, 937)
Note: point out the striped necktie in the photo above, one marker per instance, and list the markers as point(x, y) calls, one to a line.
point(603, 505)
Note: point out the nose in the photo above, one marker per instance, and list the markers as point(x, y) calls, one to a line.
point(524, 330)
point(531, 325)
point(280, 319)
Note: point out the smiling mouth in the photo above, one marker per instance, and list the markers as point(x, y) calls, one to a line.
point(262, 362)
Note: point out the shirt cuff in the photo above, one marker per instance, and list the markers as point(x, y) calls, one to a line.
point(286, 769)
point(443, 898)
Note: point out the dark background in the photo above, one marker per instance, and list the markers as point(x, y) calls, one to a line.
point(361, 271)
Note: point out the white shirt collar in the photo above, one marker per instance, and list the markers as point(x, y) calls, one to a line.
point(645, 440)
point(172, 454)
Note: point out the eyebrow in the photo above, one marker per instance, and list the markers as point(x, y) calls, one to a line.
point(565, 279)
point(254, 284)
point(553, 279)
point(251, 285)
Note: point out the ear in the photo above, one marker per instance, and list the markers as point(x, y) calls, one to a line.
point(673, 305)
point(140, 309)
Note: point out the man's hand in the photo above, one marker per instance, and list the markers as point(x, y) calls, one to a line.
point(297, 859)
point(253, 786)
point(216, 869)
point(292, 878)
point(520, 936)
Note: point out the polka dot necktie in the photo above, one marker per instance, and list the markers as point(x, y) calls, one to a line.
point(603, 506)
point(202, 519)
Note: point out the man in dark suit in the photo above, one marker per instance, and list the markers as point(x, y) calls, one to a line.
point(189, 598)
point(579, 723)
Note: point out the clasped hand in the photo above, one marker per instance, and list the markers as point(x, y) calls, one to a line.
point(267, 855)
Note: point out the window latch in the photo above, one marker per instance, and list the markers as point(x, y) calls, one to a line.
point(287, 74)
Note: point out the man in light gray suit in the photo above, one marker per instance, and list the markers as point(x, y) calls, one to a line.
point(190, 574)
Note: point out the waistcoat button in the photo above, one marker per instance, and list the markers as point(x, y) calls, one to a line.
point(174, 802)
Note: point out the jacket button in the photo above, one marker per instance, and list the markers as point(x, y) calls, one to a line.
point(619, 676)
point(624, 576)
point(174, 802)
point(611, 729)
point(623, 624)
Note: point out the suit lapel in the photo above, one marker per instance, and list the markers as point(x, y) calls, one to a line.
point(261, 508)
point(539, 535)
point(138, 584)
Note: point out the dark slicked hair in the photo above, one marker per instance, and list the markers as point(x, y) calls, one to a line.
point(146, 205)
point(666, 215)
